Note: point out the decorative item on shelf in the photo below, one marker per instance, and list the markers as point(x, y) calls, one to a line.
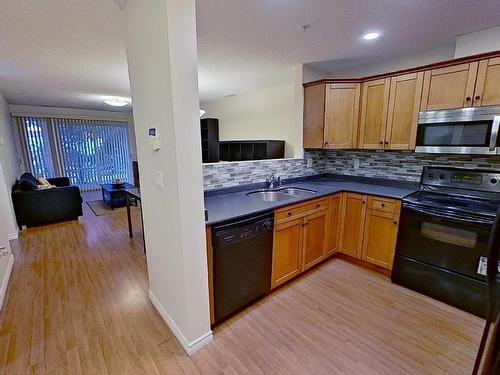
point(118, 183)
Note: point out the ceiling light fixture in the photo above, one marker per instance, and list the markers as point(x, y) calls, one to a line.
point(371, 36)
point(202, 112)
point(116, 102)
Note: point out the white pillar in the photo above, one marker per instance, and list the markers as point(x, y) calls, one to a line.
point(163, 69)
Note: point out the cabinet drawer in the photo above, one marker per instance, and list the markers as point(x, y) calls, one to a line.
point(301, 209)
point(384, 204)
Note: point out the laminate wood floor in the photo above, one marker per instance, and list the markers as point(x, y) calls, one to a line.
point(77, 304)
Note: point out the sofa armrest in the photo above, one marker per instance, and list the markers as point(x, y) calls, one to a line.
point(59, 181)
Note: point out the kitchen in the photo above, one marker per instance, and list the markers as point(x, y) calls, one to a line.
point(394, 163)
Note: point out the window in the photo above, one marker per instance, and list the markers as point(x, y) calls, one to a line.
point(37, 145)
point(89, 152)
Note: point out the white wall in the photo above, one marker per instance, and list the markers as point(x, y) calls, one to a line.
point(403, 62)
point(478, 42)
point(10, 165)
point(6, 257)
point(263, 114)
point(163, 69)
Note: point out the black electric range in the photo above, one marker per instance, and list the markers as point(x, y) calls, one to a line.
point(443, 236)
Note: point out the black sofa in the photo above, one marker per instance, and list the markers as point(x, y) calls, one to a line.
point(35, 206)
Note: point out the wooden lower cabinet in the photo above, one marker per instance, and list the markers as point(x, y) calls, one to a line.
point(300, 239)
point(352, 225)
point(315, 239)
point(287, 251)
point(334, 220)
point(379, 240)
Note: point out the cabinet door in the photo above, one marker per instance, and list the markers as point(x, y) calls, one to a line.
point(353, 222)
point(450, 87)
point(374, 113)
point(335, 210)
point(379, 242)
point(314, 116)
point(404, 105)
point(488, 83)
point(315, 239)
point(287, 251)
point(341, 115)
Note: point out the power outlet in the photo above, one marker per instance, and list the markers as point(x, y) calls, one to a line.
point(309, 162)
point(356, 164)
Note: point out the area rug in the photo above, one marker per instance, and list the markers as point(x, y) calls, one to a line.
point(99, 208)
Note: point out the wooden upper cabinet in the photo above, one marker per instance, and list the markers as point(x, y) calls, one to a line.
point(314, 116)
point(487, 90)
point(449, 87)
point(374, 105)
point(341, 115)
point(315, 239)
point(335, 208)
point(404, 105)
point(287, 251)
point(353, 221)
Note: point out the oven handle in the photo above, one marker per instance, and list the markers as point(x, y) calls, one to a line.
point(494, 133)
point(432, 212)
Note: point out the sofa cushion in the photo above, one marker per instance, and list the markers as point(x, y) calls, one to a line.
point(28, 182)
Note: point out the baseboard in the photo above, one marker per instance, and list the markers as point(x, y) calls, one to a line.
point(5, 281)
point(13, 236)
point(190, 347)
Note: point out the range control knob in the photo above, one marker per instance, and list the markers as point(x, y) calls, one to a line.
point(431, 175)
point(442, 176)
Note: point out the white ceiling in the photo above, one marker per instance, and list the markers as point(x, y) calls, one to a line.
point(71, 53)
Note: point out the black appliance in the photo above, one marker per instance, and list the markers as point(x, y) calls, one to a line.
point(488, 357)
point(443, 237)
point(242, 262)
point(209, 140)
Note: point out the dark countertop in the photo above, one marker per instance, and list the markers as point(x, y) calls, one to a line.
point(229, 204)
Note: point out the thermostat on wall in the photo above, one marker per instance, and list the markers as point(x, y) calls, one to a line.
point(154, 136)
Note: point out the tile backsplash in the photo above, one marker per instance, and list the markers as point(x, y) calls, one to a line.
point(400, 165)
point(397, 165)
point(221, 175)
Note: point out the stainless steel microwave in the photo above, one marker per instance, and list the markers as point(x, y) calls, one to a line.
point(459, 131)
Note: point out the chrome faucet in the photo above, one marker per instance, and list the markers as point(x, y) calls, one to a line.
point(273, 182)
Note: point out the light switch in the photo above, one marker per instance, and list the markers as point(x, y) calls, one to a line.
point(2, 141)
point(159, 179)
point(356, 164)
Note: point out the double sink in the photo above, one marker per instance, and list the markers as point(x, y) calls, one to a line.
point(280, 194)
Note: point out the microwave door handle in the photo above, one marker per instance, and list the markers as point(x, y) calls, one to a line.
point(494, 133)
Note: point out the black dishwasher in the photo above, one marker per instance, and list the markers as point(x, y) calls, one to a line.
point(242, 262)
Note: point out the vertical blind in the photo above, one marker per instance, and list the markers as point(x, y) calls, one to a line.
point(89, 152)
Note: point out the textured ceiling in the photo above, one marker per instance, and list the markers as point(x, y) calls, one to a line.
point(72, 52)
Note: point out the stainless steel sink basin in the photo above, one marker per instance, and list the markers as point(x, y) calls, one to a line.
point(298, 192)
point(269, 196)
point(280, 194)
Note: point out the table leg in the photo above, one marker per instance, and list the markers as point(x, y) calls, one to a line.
point(129, 219)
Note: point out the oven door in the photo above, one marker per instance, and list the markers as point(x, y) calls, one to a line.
point(443, 256)
point(459, 135)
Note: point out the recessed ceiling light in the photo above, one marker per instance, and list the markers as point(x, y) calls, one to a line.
point(202, 112)
point(116, 102)
point(371, 36)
